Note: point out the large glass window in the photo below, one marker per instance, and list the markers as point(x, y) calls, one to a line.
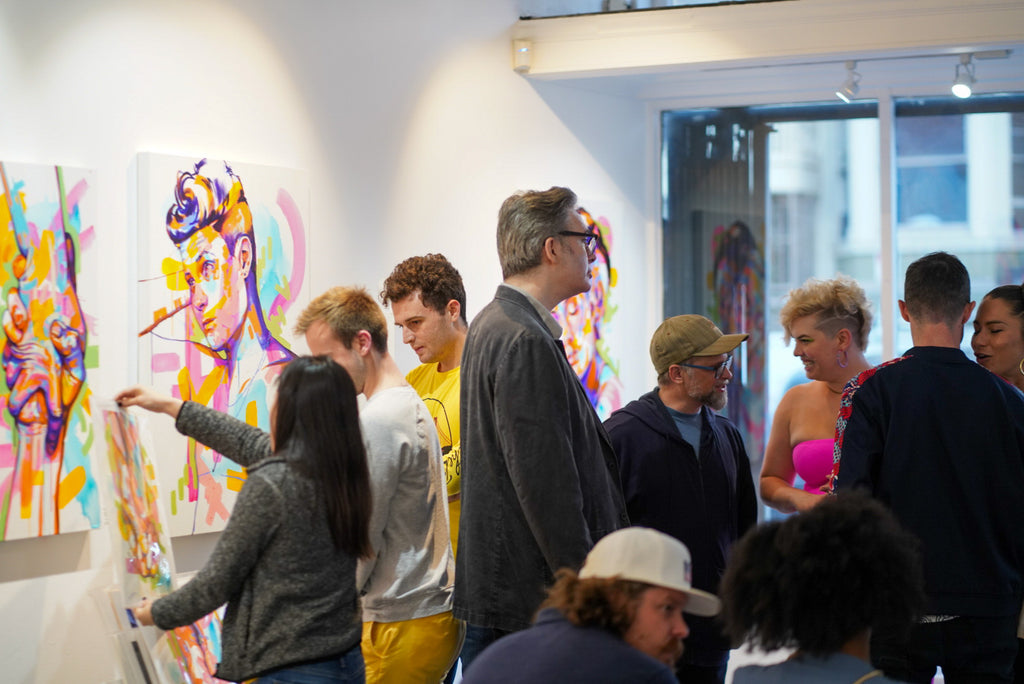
point(931, 170)
point(1017, 127)
point(956, 190)
point(756, 200)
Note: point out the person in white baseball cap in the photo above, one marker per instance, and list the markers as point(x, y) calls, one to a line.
point(644, 555)
point(620, 619)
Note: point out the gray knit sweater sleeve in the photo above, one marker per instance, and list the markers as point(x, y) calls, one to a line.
point(253, 522)
point(239, 441)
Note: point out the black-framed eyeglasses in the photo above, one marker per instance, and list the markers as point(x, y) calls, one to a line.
point(589, 239)
point(718, 368)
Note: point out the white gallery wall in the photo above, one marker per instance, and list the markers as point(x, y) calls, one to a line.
point(413, 128)
point(412, 125)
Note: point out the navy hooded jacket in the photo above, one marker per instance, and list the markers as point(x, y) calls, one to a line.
point(706, 503)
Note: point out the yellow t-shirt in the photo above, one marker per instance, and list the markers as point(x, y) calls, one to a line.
point(440, 392)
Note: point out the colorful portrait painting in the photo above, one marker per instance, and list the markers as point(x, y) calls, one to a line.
point(48, 272)
point(189, 655)
point(223, 268)
point(145, 566)
point(737, 305)
point(145, 562)
point(584, 319)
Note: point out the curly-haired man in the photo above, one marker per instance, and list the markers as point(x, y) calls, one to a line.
point(619, 620)
point(428, 300)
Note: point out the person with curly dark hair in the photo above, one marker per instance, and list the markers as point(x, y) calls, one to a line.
point(820, 582)
point(428, 300)
point(619, 620)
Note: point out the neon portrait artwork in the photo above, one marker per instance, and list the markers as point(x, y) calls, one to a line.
point(46, 478)
point(230, 264)
point(584, 319)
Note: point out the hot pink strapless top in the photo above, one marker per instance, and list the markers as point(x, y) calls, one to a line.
point(813, 463)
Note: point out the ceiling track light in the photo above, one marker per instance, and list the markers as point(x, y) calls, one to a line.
point(963, 77)
point(851, 86)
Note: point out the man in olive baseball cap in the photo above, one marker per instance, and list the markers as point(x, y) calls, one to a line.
point(684, 468)
point(681, 337)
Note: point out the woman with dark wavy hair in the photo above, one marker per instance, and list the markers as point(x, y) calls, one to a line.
point(819, 582)
point(998, 339)
point(998, 344)
point(286, 562)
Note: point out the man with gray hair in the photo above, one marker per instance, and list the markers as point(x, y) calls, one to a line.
point(540, 484)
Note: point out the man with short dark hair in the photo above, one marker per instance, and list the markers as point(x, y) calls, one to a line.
point(940, 440)
point(685, 469)
point(539, 480)
point(428, 300)
point(620, 620)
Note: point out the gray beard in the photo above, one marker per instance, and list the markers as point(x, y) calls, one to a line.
point(713, 400)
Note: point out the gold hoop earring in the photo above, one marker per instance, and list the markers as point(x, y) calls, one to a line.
point(1020, 366)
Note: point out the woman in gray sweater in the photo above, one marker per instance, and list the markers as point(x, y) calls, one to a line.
point(285, 564)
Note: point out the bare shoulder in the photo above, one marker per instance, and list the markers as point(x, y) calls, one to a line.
point(799, 397)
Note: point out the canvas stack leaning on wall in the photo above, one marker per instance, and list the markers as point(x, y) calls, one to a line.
point(144, 567)
point(222, 274)
point(49, 274)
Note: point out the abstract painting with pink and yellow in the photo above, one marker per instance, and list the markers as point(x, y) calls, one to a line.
point(584, 319)
point(145, 563)
point(48, 276)
point(223, 255)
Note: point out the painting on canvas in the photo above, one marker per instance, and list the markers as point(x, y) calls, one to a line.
point(584, 320)
point(145, 563)
point(737, 289)
point(222, 274)
point(48, 270)
point(189, 655)
point(143, 551)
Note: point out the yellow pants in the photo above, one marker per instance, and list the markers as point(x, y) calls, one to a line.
point(420, 650)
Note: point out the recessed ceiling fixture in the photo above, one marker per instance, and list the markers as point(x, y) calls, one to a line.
point(963, 77)
point(851, 86)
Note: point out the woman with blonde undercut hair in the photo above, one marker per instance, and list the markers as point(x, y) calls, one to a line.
point(829, 321)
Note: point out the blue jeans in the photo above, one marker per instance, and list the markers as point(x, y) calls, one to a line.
point(346, 668)
point(477, 639)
